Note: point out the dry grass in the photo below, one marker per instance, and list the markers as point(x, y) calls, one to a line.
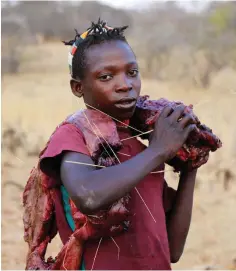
point(37, 99)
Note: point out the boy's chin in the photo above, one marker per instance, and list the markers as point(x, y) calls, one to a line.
point(125, 116)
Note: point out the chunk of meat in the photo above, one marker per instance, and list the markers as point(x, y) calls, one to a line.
point(195, 151)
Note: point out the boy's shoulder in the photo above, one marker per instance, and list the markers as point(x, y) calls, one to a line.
point(84, 127)
point(70, 121)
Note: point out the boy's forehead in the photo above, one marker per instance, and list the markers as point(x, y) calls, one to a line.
point(109, 53)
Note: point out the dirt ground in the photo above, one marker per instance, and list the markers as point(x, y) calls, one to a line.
point(37, 99)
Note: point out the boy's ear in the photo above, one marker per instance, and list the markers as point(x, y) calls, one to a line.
point(76, 87)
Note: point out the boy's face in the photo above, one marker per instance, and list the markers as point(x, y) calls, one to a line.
point(112, 82)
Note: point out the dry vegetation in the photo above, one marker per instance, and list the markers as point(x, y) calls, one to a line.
point(37, 98)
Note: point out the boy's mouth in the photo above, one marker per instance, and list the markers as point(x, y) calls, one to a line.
point(127, 103)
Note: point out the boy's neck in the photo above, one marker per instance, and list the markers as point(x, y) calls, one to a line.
point(124, 124)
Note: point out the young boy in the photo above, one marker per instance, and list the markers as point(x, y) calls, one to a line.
point(105, 73)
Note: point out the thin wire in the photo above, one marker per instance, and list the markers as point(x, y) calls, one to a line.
point(86, 164)
point(137, 135)
point(117, 156)
point(114, 118)
point(95, 133)
point(117, 247)
point(107, 143)
point(120, 163)
point(19, 159)
point(145, 204)
point(96, 253)
point(161, 171)
point(123, 153)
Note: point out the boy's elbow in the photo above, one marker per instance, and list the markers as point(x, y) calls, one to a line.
point(175, 257)
point(86, 205)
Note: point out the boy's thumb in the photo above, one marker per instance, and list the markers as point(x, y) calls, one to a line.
point(190, 128)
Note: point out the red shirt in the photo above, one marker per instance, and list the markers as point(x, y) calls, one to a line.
point(145, 244)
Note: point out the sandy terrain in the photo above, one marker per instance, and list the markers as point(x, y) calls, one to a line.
point(37, 99)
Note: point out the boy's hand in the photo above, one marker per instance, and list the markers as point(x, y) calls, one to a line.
point(171, 131)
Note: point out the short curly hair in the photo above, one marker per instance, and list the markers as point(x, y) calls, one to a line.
point(97, 34)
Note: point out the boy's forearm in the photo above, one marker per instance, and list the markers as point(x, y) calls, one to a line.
point(114, 182)
point(178, 221)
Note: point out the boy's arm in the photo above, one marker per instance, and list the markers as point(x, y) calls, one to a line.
point(179, 218)
point(92, 189)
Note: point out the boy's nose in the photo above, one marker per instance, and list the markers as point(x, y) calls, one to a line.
point(124, 84)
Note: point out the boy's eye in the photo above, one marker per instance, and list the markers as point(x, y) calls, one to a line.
point(133, 73)
point(105, 77)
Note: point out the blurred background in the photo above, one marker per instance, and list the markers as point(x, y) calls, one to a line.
point(186, 51)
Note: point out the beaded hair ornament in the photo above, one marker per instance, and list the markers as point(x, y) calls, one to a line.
point(100, 27)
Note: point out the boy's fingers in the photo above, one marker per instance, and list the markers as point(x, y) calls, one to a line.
point(189, 129)
point(187, 119)
point(178, 112)
point(194, 117)
point(166, 111)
